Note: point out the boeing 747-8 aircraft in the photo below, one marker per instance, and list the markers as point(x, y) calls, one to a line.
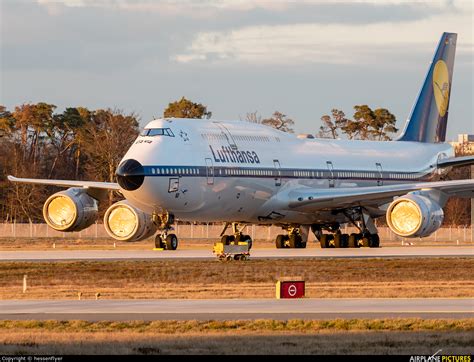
point(242, 173)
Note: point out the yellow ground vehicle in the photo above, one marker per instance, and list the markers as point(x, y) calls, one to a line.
point(233, 251)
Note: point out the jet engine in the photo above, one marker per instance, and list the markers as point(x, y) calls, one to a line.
point(125, 222)
point(70, 210)
point(414, 216)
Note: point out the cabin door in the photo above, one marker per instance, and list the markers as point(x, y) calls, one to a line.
point(209, 171)
point(331, 173)
point(276, 163)
point(380, 174)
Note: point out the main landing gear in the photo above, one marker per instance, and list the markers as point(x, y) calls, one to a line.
point(238, 236)
point(354, 240)
point(294, 239)
point(366, 237)
point(163, 240)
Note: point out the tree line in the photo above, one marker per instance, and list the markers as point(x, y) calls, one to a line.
point(36, 141)
point(76, 144)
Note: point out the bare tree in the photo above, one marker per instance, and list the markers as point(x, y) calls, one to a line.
point(280, 122)
point(253, 117)
point(328, 129)
point(107, 138)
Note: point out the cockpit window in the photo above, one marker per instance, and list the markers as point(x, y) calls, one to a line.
point(150, 132)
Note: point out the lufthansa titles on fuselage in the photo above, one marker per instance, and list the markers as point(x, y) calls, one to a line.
point(226, 154)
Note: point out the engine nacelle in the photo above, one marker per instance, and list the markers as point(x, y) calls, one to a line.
point(125, 222)
point(70, 210)
point(414, 216)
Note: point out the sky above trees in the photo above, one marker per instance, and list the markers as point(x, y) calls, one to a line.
point(235, 57)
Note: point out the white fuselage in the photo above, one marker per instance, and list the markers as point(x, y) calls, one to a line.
point(206, 170)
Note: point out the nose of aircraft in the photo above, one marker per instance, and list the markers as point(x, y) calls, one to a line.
point(130, 174)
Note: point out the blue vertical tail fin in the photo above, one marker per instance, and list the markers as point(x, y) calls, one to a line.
point(429, 115)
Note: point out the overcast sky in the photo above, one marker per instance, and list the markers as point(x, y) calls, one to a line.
point(302, 58)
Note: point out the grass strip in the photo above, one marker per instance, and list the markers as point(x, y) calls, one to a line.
point(262, 325)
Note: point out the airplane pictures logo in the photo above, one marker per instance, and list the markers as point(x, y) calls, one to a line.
point(226, 154)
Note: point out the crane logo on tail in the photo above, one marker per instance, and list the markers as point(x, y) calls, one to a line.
point(441, 86)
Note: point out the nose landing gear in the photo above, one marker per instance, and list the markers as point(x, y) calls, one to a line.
point(163, 240)
point(233, 247)
point(238, 235)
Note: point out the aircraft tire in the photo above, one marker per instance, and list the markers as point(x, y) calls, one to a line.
point(280, 241)
point(248, 240)
point(171, 242)
point(233, 240)
point(338, 242)
point(344, 240)
point(374, 241)
point(354, 240)
point(330, 240)
point(294, 241)
point(366, 241)
point(159, 242)
point(225, 239)
point(324, 242)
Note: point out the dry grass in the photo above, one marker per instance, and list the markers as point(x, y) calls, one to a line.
point(389, 336)
point(254, 326)
point(430, 277)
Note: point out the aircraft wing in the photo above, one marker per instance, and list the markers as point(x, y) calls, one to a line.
point(311, 199)
point(68, 183)
point(456, 161)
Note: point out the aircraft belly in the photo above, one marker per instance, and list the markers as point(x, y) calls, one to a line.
point(229, 199)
